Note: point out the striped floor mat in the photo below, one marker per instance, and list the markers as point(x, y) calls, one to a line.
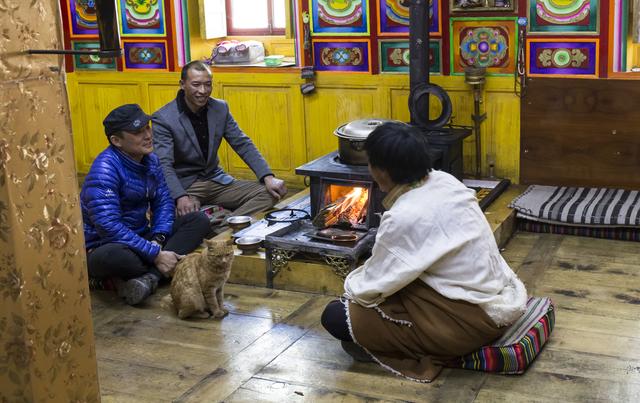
point(617, 233)
point(587, 207)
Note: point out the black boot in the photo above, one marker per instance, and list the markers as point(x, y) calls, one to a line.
point(358, 353)
point(135, 290)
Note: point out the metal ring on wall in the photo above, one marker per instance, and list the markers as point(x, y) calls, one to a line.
point(421, 118)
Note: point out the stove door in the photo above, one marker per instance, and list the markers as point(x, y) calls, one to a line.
point(345, 203)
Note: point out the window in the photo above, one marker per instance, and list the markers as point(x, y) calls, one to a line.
point(256, 17)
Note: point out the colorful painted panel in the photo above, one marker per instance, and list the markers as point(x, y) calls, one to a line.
point(341, 56)
point(181, 34)
point(565, 58)
point(394, 56)
point(563, 16)
point(339, 17)
point(145, 55)
point(618, 24)
point(91, 62)
point(142, 17)
point(483, 42)
point(82, 16)
point(394, 17)
point(466, 6)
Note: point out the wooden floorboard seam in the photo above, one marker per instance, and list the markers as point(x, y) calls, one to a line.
point(537, 261)
point(289, 321)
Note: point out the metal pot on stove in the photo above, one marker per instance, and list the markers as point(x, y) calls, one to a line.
point(351, 137)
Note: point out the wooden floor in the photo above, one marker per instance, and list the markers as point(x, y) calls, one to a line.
point(272, 347)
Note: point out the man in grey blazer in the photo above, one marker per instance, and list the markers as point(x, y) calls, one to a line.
point(187, 133)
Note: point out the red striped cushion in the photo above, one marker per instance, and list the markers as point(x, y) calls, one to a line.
point(514, 358)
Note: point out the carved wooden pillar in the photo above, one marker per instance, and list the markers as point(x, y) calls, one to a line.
point(46, 335)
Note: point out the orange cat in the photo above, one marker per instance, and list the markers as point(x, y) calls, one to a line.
point(198, 281)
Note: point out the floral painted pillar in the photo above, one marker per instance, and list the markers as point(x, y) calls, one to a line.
point(46, 335)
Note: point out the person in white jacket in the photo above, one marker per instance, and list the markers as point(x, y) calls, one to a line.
point(435, 286)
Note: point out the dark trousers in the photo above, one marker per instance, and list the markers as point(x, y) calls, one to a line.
point(118, 260)
point(334, 320)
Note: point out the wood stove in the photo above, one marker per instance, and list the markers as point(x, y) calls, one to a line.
point(357, 202)
point(332, 181)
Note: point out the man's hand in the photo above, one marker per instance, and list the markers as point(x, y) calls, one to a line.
point(187, 204)
point(275, 186)
point(166, 261)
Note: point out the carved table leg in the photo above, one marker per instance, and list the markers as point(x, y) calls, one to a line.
point(277, 259)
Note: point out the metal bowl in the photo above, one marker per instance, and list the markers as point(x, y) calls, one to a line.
point(239, 222)
point(249, 244)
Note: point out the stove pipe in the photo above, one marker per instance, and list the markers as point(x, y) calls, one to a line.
point(419, 62)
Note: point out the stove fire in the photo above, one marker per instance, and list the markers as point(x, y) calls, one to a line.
point(342, 195)
point(345, 205)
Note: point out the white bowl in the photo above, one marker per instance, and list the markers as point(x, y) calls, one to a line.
point(249, 244)
point(239, 222)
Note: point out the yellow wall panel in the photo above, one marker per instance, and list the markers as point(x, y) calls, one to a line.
point(462, 102)
point(399, 104)
point(161, 94)
point(93, 102)
point(291, 129)
point(502, 133)
point(269, 116)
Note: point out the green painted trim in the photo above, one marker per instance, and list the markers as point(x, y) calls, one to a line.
point(451, 48)
point(624, 34)
point(185, 31)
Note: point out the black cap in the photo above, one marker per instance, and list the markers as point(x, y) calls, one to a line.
point(129, 117)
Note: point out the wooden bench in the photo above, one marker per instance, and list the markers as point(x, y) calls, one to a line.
point(317, 277)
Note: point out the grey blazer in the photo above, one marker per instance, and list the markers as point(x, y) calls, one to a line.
point(175, 142)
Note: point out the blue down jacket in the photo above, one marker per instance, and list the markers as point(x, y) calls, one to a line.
point(115, 198)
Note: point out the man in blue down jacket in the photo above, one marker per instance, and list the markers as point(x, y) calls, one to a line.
point(124, 184)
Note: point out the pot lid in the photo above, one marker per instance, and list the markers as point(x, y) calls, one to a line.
point(359, 129)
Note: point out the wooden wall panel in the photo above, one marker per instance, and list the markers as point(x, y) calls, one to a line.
point(95, 101)
point(501, 134)
point(160, 95)
point(400, 104)
point(272, 117)
point(462, 102)
point(268, 103)
point(581, 133)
